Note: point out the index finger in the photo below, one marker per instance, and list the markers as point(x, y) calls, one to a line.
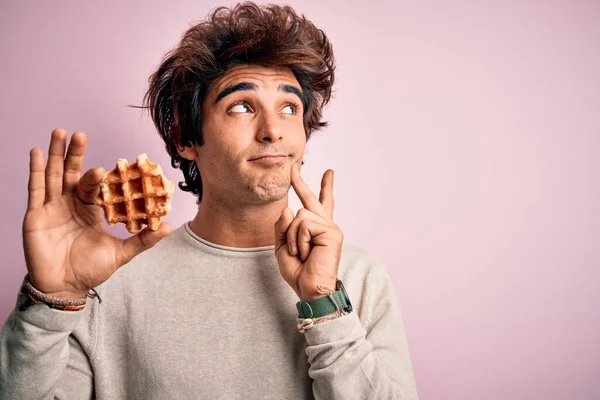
point(326, 194)
point(306, 196)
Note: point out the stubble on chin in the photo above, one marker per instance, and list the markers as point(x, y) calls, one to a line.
point(270, 187)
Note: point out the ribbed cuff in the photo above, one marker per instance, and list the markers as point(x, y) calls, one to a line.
point(336, 329)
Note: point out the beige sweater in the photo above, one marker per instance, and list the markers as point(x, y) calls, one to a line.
point(189, 319)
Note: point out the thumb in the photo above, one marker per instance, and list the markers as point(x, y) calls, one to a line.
point(142, 241)
point(88, 187)
point(281, 227)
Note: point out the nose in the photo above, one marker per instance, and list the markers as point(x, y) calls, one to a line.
point(269, 129)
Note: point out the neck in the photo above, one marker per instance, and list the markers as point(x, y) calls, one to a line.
point(242, 226)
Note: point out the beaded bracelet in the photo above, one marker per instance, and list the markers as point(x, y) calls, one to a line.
point(307, 323)
point(34, 296)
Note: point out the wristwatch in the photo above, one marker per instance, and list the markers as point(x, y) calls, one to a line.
point(323, 305)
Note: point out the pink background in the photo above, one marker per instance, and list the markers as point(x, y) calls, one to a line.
point(465, 136)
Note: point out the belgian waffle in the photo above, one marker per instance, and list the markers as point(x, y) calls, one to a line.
point(135, 193)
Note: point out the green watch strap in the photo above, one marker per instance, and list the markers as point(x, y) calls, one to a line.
point(321, 306)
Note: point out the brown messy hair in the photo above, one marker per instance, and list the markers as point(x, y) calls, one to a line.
point(268, 35)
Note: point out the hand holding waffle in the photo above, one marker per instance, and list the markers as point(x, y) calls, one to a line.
point(67, 249)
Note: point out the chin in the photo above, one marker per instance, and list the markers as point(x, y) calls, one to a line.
point(270, 196)
point(267, 188)
point(270, 193)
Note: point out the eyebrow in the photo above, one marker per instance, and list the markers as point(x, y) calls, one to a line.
point(293, 90)
point(286, 88)
point(235, 88)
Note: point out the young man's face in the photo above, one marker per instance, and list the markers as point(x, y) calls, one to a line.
point(248, 113)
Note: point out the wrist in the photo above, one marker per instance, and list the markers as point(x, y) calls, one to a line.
point(67, 295)
point(332, 301)
point(34, 296)
point(318, 292)
point(60, 294)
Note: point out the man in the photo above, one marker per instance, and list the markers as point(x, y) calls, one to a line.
point(244, 301)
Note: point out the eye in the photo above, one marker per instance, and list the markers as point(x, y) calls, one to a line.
point(290, 109)
point(239, 108)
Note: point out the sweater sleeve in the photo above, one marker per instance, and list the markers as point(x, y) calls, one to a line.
point(41, 358)
point(369, 360)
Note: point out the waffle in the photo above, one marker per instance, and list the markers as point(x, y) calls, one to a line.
point(135, 193)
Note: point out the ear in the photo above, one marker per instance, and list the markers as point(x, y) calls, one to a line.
point(187, 152)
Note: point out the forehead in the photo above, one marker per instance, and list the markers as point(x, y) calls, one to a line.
point(263, 77)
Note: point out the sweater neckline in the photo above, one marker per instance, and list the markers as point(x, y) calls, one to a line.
point(250, 252)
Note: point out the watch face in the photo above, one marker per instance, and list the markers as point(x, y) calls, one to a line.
point(340, 285)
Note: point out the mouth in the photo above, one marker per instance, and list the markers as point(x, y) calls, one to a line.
point(269, 156)
point(270, 159)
